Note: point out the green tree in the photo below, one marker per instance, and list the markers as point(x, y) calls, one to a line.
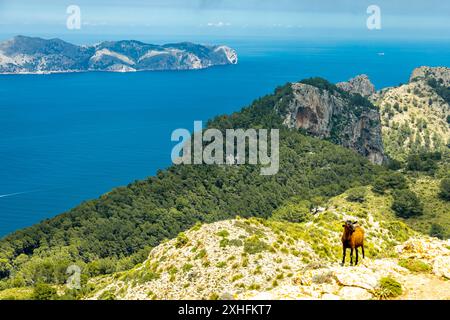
point(425, 161)
point(444, 190)
point(5, 268)
point(357, 195)
point(437, 231)
point(395, 181)
point(406, 204)
point(293, 212)
point(44, 291)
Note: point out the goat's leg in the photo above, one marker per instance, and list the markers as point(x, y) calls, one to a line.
point(344, 250)
point(351, 256)
point(362, 248)
point(356, 262)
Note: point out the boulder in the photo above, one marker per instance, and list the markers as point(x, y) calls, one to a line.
point(361, 278)
point(359, 84)
point(354, 293)
point(441, 266)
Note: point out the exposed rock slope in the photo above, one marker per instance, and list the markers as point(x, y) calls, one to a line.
point(224, 260)
point(326, 111)
point(441, 74)
point(359, 84)
point(415, 115)
point(35, 55)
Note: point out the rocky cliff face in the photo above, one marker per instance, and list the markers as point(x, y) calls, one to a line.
point(346, 118)
point(35, 55)
point(360, 84)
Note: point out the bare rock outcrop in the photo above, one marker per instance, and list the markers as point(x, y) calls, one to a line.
point(346, 119)
point(359, 84)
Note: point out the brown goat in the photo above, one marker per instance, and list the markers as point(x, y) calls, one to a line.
point(353, 238)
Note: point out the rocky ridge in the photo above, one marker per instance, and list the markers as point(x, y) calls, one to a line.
point(205, 268)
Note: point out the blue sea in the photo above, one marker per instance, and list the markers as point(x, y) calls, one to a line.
point(67, 138)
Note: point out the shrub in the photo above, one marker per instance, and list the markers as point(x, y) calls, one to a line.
point(394, 181)
point(406, 204)
point(325, 277)
point(44, 291)
point(107, 295)
point(357, 195)
point(425, 162)
point(201, 254)
point(149, 276)
point(223, 233)
point(444, 189)
point(237, 277)
point(322, 84)
point(414, 265)
point(253, 245)
point(235, 243)
point(388, 287)
point(5, 268)
point(254, 286)
point(293, 212)
point(214, 296)
point(181, 240)
point(437, 231)
point(187, 267)
point(394, 164)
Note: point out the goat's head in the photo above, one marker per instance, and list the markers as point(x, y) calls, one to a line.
point(349, 226)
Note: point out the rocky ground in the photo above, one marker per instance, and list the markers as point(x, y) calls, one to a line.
point(361, 282)
point(248, 259)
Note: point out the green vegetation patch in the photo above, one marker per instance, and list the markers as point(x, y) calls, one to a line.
point(254, 244)
point(414, 265)
point(388, 287)
point(25, 293)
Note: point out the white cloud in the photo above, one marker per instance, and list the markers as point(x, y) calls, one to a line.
point(218, 24)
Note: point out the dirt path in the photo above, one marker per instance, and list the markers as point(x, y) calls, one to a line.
point(425, 287)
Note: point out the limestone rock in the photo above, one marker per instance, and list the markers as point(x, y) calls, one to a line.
point(354, 293)
point(360, 84)
point(329, 296)
point(361, 278)
point(330, 114)
point(441, 266)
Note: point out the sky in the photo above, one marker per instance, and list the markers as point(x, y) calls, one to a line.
point(409, 19)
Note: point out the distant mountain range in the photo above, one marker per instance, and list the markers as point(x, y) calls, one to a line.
point(36, 55)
